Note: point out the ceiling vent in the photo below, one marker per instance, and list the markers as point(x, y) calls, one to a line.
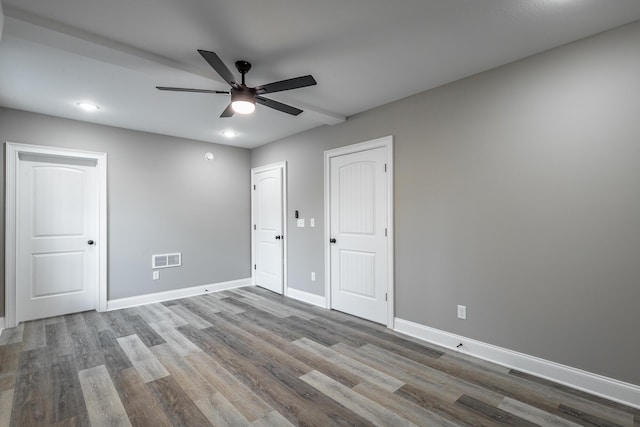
point(166, 260)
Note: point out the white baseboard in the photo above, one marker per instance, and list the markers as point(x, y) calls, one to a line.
point(609, 388)
point(307, 297)
point(1, 324)
point(116, 304)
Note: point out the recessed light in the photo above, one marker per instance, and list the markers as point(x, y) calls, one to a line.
point(87, 106)
point(229, 133)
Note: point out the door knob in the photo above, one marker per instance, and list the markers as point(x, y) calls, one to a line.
point(332, 240)
point(91, 242)
point(278, 237)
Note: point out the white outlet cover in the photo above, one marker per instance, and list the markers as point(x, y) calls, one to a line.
point(462, 312)
point(156, 275)
point(313, 276)
point(300, 222)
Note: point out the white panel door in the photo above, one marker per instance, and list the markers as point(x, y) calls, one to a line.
point(57, 228)
point(358, 222)
point(269, 237)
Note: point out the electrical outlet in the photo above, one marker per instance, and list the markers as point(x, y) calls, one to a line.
point(462, 312)
point(156, 275)
point(313, 276)
point(300, 222)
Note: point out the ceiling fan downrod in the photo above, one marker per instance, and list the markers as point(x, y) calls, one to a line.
point(243, 68)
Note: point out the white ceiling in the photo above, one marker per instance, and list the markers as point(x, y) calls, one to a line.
point(363, 53)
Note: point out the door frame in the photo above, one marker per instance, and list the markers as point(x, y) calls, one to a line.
point(384, 142)
point(283, 167)
point(13, 150)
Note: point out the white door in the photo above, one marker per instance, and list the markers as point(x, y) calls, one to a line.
point(358, 228)
point(57, 232)
point(268, 226)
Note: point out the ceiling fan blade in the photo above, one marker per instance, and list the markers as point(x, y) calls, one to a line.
point(182, 89)
point(278, 106)
point(295, 83)
point(228, 112)
point(217, 64)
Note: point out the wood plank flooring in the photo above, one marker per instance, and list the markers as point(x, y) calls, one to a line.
point(248, 357)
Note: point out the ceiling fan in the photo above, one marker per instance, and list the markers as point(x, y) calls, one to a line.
point(243, 97)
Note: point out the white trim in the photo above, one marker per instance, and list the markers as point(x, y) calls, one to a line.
point(11, 181)
point(609, 388)
point(384, 142)
point(285, 223)
point(307, 297)
point(1, 324)
point(116, 304)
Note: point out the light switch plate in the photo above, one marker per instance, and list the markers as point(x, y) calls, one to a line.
point(312, 222)
point(300, 222)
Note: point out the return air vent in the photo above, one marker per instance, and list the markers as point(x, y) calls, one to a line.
point(166, 260)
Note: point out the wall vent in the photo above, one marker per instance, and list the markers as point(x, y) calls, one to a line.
point(166, 260)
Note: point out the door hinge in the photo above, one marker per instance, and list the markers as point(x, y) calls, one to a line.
point(385, 167)
point(386, 297)
point(254, 227)
point(385, 232)
point(254, 186)
point(255, 266)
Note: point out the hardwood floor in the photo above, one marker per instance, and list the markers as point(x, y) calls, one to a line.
point(249, 357)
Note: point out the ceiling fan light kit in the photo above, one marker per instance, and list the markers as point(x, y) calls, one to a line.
point(243, 100)
point(243, 97)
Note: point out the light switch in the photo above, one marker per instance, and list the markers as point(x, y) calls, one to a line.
point(312, 222)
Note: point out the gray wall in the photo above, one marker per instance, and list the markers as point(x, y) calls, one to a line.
point(163, 196)
point(517, 193)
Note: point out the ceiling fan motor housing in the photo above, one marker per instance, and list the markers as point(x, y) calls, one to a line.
point(243, 93)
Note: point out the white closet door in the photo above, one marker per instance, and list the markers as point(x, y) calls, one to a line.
point(57, 233)
point(358, 234)
point(269, 237)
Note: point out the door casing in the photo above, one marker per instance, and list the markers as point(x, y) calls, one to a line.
point(386, 142)
point(13, 150)
point(254, 171)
